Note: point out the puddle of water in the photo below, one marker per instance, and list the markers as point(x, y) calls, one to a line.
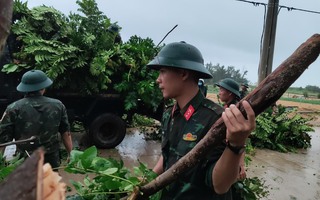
point(135, 148)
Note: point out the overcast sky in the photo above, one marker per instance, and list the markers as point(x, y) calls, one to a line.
point(227, 32)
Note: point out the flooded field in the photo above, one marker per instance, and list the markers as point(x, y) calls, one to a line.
point(292, 176)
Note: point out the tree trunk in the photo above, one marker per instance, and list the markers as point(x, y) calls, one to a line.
point(265, 95)
point(25, 183)
point(5, 21)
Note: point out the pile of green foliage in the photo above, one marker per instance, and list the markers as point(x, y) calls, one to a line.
point(281, 129)
point(110, 179)
point(81, 53)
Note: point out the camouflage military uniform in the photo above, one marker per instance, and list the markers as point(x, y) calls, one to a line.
point(181, 131)
point(243, 93)
point(36, 115)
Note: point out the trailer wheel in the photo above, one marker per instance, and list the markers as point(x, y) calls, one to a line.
point(107, 131)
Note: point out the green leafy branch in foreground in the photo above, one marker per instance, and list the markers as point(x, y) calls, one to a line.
point(110, 179)
point(7, 167)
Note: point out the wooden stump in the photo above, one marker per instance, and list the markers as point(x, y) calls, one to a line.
point(25, 183)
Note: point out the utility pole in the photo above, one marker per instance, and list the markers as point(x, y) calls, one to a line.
point(266, 57)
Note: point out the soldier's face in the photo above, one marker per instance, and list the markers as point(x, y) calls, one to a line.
point(170, 82)
point(225, 95)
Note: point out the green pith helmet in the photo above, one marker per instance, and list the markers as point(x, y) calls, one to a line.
point(229, 84)
point(245, 85)
point(180, 55)
point(34, 80)
point(114, 28)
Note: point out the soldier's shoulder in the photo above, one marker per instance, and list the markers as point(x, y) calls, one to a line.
point(17, 103)
point(209, 104)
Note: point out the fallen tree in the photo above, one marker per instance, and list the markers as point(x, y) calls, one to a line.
point(265, 95)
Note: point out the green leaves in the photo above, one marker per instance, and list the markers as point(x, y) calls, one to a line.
point(105, 178)
point(282, 130)
point(88, 156)
point(7, 167)
point(251, 189)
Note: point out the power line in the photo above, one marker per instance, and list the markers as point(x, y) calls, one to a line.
point(254, 3)
point(280, 6)
point(299, 9)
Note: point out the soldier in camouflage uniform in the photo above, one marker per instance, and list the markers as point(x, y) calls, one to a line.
point(229, 94)
point(244, 90)
point(185, 123)
point(37, 115)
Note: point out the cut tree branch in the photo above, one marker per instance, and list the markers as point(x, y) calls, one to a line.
point(262, 97)
point(32, 138)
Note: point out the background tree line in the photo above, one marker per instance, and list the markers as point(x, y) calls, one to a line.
point(220, 72)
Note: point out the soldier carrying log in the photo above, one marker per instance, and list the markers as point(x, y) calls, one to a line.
point(186, 123)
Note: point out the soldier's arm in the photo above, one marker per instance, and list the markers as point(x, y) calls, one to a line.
point(67, 141)
point(65, 131)
point(226, 170)
point(158, 168)
point(6, 128)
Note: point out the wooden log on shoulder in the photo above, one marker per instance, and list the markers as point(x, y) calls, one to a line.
point(25, 183)
point(265, 95)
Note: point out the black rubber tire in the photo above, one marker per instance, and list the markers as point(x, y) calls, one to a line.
point(107, 131)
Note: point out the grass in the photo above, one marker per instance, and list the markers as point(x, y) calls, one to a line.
point(213, 89)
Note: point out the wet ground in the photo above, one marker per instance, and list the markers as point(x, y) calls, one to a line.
point(292, 176)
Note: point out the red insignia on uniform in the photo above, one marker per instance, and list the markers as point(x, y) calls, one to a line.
point(189, 137)
point(189, 112)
